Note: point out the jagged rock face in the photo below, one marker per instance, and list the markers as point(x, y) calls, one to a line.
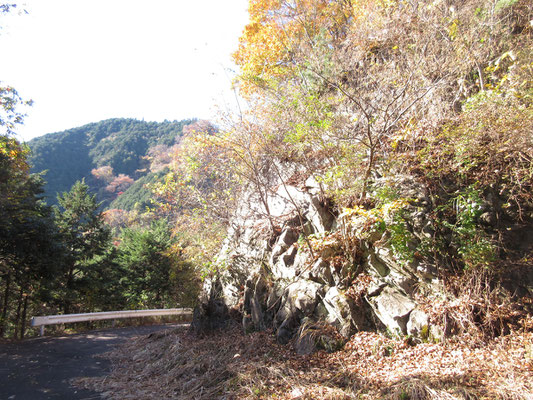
point(275, 282)
point(211, 314)
point(342, 312)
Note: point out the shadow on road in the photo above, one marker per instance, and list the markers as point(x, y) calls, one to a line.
point(43, 368)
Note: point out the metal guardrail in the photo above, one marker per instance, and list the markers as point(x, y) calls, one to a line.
point(42, 321)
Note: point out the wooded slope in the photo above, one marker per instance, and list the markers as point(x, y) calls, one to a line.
point(120, 146)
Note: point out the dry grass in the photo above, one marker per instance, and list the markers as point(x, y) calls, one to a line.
point(231, 365)
point(478, 307)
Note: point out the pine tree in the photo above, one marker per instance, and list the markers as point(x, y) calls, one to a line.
point(85, 237)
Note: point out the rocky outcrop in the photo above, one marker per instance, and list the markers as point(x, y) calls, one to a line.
point(311, 265)
point(212, 313)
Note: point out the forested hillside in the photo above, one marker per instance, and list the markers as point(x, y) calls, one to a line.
point(73, 257)
point(110, 155)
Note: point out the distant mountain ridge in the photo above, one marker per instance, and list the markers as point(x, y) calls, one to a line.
point(107, 154)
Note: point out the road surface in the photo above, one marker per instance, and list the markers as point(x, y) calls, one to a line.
point(42, 368)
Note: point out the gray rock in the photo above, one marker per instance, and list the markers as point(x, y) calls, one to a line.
point(210, 316)
point(305, 295)
point(321, 312)
point(285, 240)
point(286, 199)
point(385, 254)
point(377, 265)
point(375, 288)
point(403, 280)
point(274, 297)
point(418, 323)
point(283, 284)
point(392, 308)
point(320, 272)
point(255, 299)
point(284, 266)
point(339, 311)
point(302, 261)
point(288, 257)
point(319, 216)
point(312, 186)
point(300, 298)
point(288, 328)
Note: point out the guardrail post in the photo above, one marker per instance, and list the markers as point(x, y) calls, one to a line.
point(41, 331)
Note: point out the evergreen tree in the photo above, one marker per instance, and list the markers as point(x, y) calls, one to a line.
point(155, 276)
point(85, 237)
point(29, 246)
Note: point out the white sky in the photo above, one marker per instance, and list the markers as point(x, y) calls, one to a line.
point(84, 61)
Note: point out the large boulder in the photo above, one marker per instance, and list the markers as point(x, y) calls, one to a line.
point(392, 308)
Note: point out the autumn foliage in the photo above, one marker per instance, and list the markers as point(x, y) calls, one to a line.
point(352, 93)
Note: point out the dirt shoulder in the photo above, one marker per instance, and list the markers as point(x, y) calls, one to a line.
point(232, 365)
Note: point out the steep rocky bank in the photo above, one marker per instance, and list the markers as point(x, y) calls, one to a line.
point(301, 264)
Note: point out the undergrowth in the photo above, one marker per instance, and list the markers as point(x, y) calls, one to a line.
point(232, 365)
point(476, 306)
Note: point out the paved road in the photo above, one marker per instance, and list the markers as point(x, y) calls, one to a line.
point(41, 368)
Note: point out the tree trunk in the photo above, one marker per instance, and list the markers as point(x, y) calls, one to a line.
point(3, 321)
point(24, 314)
point(263, 196)
point(69, 285)
point(481, 74)
point(368, 172)
point(17, 318)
